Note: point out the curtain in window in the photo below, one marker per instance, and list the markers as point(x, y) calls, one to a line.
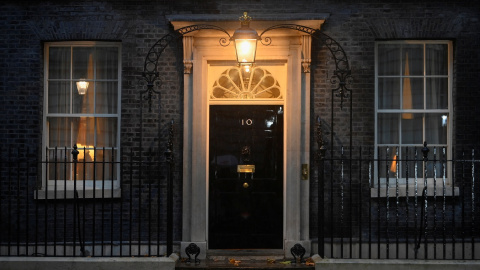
point(59, 80)
point(407, 91)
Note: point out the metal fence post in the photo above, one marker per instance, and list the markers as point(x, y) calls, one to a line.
point(170, 164)
point(321, 189)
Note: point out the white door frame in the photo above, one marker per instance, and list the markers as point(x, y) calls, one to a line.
point(203, 46)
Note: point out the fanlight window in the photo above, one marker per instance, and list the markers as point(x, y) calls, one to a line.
point(242, 83)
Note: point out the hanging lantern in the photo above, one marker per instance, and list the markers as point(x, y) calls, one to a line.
point(245, 39)
point(82, 87)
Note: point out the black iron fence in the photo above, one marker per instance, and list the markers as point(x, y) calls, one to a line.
point(398, 203)
point(390, 203)
point(86, 202)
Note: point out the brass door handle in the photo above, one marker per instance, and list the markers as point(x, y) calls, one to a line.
point(245, 185)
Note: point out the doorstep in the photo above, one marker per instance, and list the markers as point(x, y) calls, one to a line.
point(243, 259)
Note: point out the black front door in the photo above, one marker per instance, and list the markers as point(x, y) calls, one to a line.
point(246, 177)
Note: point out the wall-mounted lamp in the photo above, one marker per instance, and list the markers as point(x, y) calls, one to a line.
point(82, 87)
point(245, 39)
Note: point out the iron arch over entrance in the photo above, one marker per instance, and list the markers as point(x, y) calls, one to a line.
point(341, 79)
point(342, 73)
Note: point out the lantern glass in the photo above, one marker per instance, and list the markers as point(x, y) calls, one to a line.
point(82, 87)
point(245, 49)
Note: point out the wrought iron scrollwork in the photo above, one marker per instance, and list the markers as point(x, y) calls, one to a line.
point(190, 250)
point(191, 28)
point(342, 77)
point(297, 27)
point(150, 74)
point(298, 251)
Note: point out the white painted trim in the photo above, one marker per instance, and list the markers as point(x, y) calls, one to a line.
point(287, 48)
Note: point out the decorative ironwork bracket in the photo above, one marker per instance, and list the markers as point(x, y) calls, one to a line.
point(298, 251)
point(342, 78)
point(150, 74)
point(192, 249)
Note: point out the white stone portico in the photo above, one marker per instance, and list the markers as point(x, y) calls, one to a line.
point(289, 49)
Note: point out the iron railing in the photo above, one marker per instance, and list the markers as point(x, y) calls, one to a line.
point(369, 206)
point(47, 213)
point(410, 203)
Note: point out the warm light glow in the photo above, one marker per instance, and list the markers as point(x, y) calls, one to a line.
point(245, 39)
point(393, 168)
point(82, 87)
point(245, 47)
point(246, 50)
point(81, 153)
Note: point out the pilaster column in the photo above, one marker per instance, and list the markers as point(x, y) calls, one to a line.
point(187, 54)
point(306, 53)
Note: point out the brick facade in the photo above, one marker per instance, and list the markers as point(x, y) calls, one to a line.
point(356, 25)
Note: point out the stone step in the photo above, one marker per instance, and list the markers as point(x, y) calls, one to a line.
point(244, 259)
point(246, 255)
point(225, 265)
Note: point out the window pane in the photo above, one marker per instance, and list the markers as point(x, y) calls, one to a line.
point(388, 59)
point(83, 63)
point(59, 130)
point(437, 93)
point(58, 97)
point(106, 132)
point(84, 103)
point(388, 128)
point(412, 128)
point(412, 93)
point(435, 168)
point(412, 60)
point(103, 167)
point(59, 63)
point(387, 163)
point(411, 157)
point(436, 128)
point(388, 93)
point(85, 153)
point(436, 59)
point(107, 63)
point(106, 97)
point(84, 132)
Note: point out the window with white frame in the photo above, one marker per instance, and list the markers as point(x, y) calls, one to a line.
point(413, 84)
point(82, 108)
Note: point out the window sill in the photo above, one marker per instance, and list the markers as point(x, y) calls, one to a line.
point(69, 194)
point(402, 191)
